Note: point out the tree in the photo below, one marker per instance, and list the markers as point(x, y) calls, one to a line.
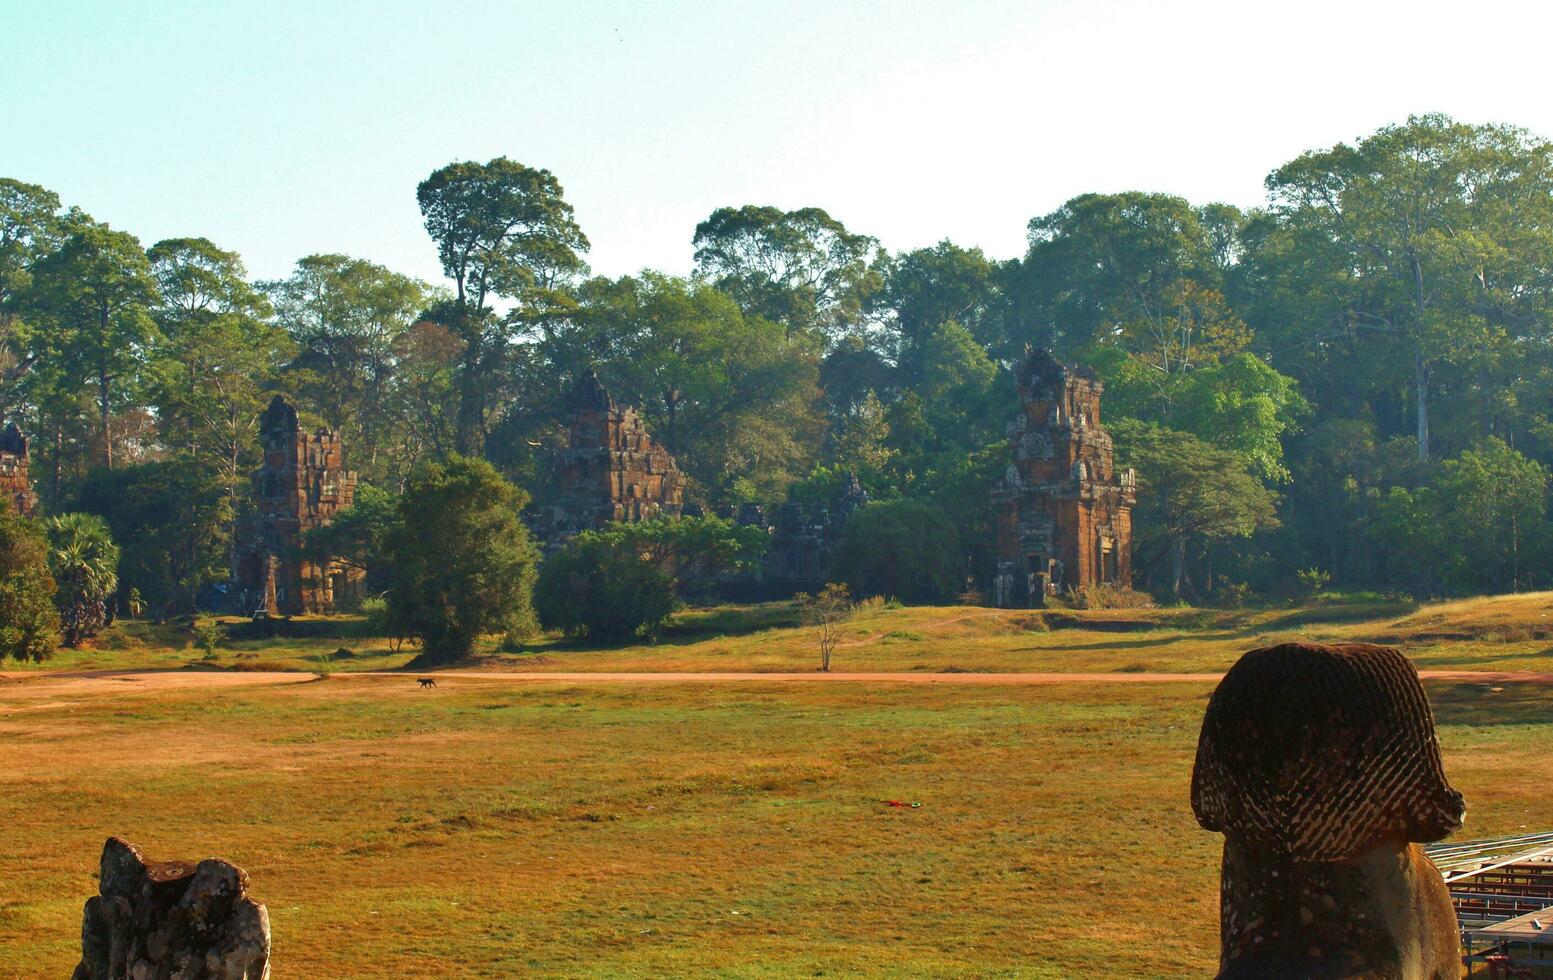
point(350, 320)
point(29, 623)
point(1188, 491)
point(216, 351)
point(501, 229)
point(29, 228)
point(1123, 269)
point(1480, 522)
point(902, 548)
point(926, 288)
point(173, 522)
point(84, 563)
point(802, 269)
point(730, 394)
point(359, 537)
point(602, 589)
point(1431, 239)
point(95, 293)
point(691, 551)
point(826, 610)
point(463, 563)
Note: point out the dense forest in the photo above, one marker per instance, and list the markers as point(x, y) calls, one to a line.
point(1350, 386)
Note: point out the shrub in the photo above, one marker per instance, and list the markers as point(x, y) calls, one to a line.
point(464, 564)
point(902, 548)
point(29, 623)
point(602, 591)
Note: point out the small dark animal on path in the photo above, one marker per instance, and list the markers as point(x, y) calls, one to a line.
point(426, 681)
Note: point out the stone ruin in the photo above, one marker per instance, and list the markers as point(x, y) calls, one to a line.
point(171, 919)
point(1062, 513)
point(802, 539)
point(15, 481)
point(611, 469)
point(301, 485)
point(1320, 766)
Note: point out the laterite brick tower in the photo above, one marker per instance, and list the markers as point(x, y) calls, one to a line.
point(302, 485)
point(612, 469)
point(15, 482)
point(1062, 514)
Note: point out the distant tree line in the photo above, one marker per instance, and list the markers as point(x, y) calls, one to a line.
point(1355, 378)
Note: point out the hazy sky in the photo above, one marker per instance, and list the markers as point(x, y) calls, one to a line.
point(284, 128)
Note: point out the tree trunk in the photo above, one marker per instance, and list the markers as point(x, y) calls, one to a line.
point(1177, 566)
point(1421, 390)
point(104, 388)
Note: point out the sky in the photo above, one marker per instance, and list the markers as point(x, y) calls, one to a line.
point(280, 129)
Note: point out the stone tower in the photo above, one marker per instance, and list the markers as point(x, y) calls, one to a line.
point(15, 483)
point(1062, 514)
point(612, 470)
point(302, 484)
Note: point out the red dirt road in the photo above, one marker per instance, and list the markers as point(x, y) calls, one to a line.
point(29, 686)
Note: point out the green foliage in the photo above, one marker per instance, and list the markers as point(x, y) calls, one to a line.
point(93, 297)
point(172, 521)
point(29, 623)
point(602, 589)
point(1481, 523)
point(463, 563)
point(826, 611)
point(501, 229)
point(902, 548)
point(358, 537)
point(84, 563)
point(1188, 493)
point(208, 634)
point(351, 321)
point(802, 269)
point(691, 551)
point(729, 393)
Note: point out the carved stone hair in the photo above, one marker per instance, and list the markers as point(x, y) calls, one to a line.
point(1317, 753)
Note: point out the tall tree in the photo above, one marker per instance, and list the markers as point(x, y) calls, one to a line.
point(802, 269)
point(502, 230)
point(29, 228)
point(95, 295)
point(216, 352)
point(731, 394)
point(1434, 237)
point(350, 320)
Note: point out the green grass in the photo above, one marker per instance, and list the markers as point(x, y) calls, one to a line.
point(486, 829)
point(1513, 633)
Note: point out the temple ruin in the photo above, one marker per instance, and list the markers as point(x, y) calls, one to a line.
point(1062, 513)
point(611, 469)
point(15, 482)
point(301, 485)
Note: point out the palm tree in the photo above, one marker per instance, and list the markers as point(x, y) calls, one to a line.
point(85, 564)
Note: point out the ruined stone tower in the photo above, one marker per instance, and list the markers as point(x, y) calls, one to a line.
point(612, 470)
point(15, 482)
point(1062, 514)
point(302, 484)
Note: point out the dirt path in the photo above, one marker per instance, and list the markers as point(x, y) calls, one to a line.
point(22, 687)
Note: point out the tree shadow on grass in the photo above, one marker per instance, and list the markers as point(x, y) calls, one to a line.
point(1500, 703)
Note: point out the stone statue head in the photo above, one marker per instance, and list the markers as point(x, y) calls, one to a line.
point(1318, 753)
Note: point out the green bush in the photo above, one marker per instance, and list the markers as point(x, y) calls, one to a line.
point(902, 548)
point(598, 590)
point(463, 561)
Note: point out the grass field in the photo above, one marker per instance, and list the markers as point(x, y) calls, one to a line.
point(1511, 633)
point(490, 828)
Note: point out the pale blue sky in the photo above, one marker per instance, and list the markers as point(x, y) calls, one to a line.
point(280, 128)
